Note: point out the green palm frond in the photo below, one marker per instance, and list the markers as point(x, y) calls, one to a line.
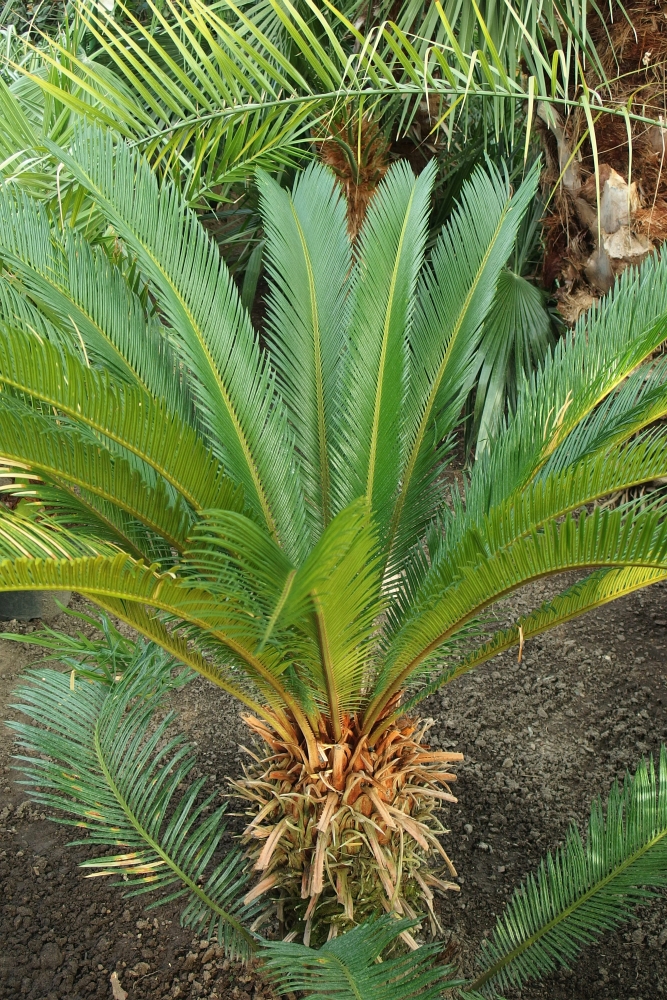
point(555, 494)
point(518, 331)
point(90, 515)
point(640, 400)
point(20, 313)
point(233, 385)
point(594, 591)
point(89, 301)
point(586, 367)
point(453, 297)
point(346, 603)
point(391, 249)
point(123, 414)
point(95, 756)
point(213, 91)
point(612, 538)
point(308, 256)
point(62, 452)
point(347, 968)
point(584, 888)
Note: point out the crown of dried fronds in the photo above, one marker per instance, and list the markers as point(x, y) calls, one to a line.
point(336, 845)
point(358, 153)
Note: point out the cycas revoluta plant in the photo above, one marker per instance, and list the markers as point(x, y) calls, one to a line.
point(278, 518)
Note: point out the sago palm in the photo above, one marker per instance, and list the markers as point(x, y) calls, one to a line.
point(276, 512)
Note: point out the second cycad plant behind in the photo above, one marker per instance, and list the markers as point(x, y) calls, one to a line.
point(279, 519)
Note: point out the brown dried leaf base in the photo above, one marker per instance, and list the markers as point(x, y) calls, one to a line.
point(354, 837)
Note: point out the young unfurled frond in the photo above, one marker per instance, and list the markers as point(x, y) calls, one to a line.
point(347, 968)
point(586, 887)
point(96, 754)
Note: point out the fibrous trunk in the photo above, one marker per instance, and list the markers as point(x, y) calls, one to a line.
point(352, 837)
point(597, 228)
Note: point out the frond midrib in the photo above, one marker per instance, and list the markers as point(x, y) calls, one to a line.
point(488, 650)
point(375, 708)
point(435, 388)
point(319, 375)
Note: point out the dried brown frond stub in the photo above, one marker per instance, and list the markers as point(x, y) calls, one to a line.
point(335, 845)
point(358, 153)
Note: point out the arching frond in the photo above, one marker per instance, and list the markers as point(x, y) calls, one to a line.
point(639, 401)
point(55, 450)
point(585, 887)
point(612, 538)
point(86, 298)
point(96, 755)
point(122, 413)
point(596, 590)
point(585, 368)
point(233, 385)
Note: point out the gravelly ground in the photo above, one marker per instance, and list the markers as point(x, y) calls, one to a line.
point(540, 738)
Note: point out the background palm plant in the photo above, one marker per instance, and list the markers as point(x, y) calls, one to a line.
point(278, 518)
point(211, 91)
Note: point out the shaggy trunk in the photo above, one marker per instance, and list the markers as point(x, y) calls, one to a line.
point(599, 226)
point(334, 845)
point(358, 153)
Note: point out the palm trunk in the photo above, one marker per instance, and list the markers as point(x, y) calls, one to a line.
point(335, 844)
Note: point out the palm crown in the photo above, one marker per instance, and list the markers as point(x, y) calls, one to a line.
point(276, 515)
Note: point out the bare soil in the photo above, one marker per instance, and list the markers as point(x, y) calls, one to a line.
point(541, 738)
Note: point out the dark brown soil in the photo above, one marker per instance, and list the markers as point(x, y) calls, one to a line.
point(540, 738)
